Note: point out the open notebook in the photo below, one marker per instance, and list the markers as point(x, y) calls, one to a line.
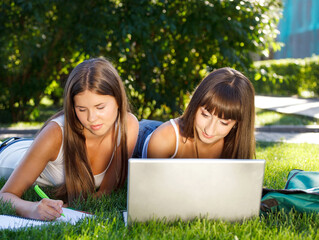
point(16, 222)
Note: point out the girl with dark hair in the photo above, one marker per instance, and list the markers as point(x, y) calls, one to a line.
point(81, 150)
point(217, 123)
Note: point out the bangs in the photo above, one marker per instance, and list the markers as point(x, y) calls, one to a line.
point(223, 102)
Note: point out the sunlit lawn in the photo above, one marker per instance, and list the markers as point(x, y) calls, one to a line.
point(108, 224)
point(267, 117)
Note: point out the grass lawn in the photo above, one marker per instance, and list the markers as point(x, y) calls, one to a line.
point(108, 223)
point(267, 117)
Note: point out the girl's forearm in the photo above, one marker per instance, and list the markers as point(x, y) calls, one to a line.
point(22, 207)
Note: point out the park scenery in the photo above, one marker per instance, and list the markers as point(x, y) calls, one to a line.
point(161, 49)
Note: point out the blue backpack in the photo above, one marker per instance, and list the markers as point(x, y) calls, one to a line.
point(301, 193)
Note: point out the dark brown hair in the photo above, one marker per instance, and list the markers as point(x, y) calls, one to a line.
point(230, 95)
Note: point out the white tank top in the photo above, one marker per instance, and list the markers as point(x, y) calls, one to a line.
point(11, 155)
point(147, 140)
point(53, 174)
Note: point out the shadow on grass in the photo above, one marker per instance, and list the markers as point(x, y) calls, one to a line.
point(263, 144)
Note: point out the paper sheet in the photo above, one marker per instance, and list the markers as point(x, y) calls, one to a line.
point(15, 222)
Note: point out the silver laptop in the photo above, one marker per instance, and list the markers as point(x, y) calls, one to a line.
point(172, 189)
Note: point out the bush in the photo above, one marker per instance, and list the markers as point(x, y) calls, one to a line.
point(286, 76)
point(162, 49)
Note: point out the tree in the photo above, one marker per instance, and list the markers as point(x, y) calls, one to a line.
point(161, 48)
point(166, 47)
point(41, 40)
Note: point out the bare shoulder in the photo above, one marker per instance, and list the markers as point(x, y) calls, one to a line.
point(132, 125)
point(49, 140)
point(132, 121)
point(51, 132)
point(44, 148)
point(132, 132)
point(166, 129)
point(163, 141)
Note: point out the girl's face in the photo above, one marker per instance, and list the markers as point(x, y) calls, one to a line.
point(97, 113)
point(210, 128)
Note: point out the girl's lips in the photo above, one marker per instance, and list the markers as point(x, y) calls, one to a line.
point(96, 127)
point(207, 136)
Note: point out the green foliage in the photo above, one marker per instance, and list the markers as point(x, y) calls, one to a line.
point(162, 49)
point(286, 76)
point(40, 42)
point(166, 47)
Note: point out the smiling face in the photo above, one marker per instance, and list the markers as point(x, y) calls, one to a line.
point(97, 113)
point(210, 128)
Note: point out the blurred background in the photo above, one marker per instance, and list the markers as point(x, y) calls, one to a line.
point(161, 49)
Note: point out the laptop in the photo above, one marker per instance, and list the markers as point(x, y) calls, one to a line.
point(172, 189)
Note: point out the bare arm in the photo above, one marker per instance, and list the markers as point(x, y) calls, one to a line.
point(162, 143)
point(132, 133)
point(45, 148)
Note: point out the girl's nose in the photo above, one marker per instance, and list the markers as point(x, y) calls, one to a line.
point(91, 116)
point(209, 129)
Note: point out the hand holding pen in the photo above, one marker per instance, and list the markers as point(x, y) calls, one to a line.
point(43, 195)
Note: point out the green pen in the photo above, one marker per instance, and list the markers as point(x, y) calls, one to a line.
point(42, 194)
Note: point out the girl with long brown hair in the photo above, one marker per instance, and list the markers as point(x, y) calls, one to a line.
point(82, 150)
point(217, 123)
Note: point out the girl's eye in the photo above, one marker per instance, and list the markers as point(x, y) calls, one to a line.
point(204, 114)
point(224, 123)
point(101, 107)
point(81, 109)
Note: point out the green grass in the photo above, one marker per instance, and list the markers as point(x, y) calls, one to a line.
point(108, 224)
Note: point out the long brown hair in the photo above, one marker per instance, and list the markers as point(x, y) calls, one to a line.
point(230, 95)
point(99, 76)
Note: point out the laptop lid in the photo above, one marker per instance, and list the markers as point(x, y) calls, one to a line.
point(227, 189)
